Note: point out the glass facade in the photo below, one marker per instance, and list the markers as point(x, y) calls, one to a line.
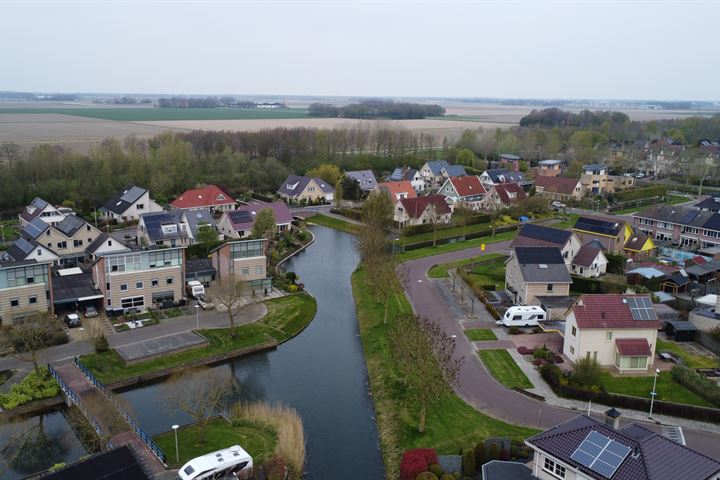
point(23, 275)
point(147, 260)
point(247, 249)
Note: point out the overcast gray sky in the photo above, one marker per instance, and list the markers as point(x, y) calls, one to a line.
point(529, 49)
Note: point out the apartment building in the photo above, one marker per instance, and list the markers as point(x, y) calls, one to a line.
point(25, 289)
point(243, 261)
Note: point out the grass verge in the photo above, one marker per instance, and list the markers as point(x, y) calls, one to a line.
point(256, 439)
point(488, 273)
point(454, 247)
point(286, 317)
point(667, 389)
point(441, 270)
point(336, 223)
point(443, 233)
point(451, 424)
point(690, 359)
point(480, 334)
point(503, 367)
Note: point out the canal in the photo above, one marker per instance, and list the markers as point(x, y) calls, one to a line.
point(321, 373)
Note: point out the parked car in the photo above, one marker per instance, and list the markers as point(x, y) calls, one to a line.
point(669, 357)
point(72, 320)
point(205, 303)
point(557, 205)
point(90, 311)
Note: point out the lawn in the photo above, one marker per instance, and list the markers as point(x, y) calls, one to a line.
point(666, 388)
point(8, 230)
point(453, 247)
point(568, 221)
point(286, 317)
point(488, 273)
point(691, 360)
point(451, 424)
point(444, 233)
point(147, 114)
point(671, 200)
point(441, 270)
point(502, 366)
point(480, 334)
point(258, 440)
point(336, 223)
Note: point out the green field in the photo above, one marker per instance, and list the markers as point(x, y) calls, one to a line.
point(502, 366)
point(667, 389)
point(147, 114)
point(491, 272)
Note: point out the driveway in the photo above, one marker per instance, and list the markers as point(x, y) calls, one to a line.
point(476, 386)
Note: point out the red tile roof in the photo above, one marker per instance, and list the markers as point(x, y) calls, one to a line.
point(608, 311)
point(638, 347)
point(209, 196)
point(396, 188)
point(468, 186)
point(415, 207)
point(504, 190)
point(564, 186)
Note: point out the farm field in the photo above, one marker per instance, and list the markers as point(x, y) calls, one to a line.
point(144, 114)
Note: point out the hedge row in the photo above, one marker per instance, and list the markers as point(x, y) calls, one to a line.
point(551, 374)
point(469, 236)
point(697, 384)
point(592, 285)
point(639, 193)
point(427, 227)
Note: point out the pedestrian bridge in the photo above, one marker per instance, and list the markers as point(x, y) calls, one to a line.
point(111, 421)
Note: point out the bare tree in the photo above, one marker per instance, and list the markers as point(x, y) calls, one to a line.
point(11, 151)
point(200, 393)
point(434, 217)
point(228, 294)
point(463, 216)
point(26, 339)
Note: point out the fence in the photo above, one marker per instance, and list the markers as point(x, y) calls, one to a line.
point(76, 401)
point(139, 431)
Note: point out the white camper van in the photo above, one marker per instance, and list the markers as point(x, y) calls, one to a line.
point(195, 289)
point(523, 316)
point(233, 462)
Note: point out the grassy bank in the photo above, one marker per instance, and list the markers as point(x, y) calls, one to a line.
point(689, 359)
point(441, 271)
point(258, 440)
point(502, 366)
point(336, 223)
point(451, 424)
point(286, 317)
point(487, 273)
point(667, 389)
point(454, 247)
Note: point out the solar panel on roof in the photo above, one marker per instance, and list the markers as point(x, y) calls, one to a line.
point(24, 245)
point(641, 308)
point(241, 216)
point(600, 454)
point(70, 225)
point(35, 227)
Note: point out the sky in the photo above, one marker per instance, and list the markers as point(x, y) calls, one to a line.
point(500, 49)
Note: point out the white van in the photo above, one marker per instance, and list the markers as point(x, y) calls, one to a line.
point(195, 289)
point(523, 316)
point(233, 462)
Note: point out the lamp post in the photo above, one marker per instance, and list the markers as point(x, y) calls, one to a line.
point(177, 450)
point(653, 393)
point(415, 285)
point(197, 316)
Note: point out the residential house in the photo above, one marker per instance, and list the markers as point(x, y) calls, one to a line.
point(129, 204)
point(163, 229)
point(509, 161)
point(498, 176)
point(139, 279)
point(243, 261)
point(533, 235)
point(42, 210)
point(639, 244)
point(559, 188)
point(411, 175)
point(196, 219)
point(615, 330)
point(596, 179)
point(682, 226)
point(434, 172)
point(590, 261)
point(364, 178)
point(25, 289)
point(397, 190)
point(104, 244)
point(24, 249)
point(430, 209)
point(210, 197)
point(468, 191)
point(306, 190)
point(549, 168)
point(239, 223)
point(503, 195)
point(710, 203)
point(67, 239)
point(533, 272)
point(665, 156)
point(612, 233)
point(584, 448)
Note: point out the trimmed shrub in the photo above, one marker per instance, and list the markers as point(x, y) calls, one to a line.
point(523, 350)
point(642, 192)
point(35, 386)
point(292, 288)
point(101, 344)
point(492, 311)
point(468, 463)
point(411, 466)
point(426, 476)
point(539, 362)
point(436, 469)
point(480, 455)
point(697, 384)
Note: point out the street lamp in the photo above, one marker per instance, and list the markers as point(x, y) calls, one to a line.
point(197, 316)
point(415, 285)
point(177, 450)
point(653, 393)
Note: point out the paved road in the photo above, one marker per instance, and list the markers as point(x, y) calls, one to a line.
point(477, 387)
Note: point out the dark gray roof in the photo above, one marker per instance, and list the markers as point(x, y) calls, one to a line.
point(683, 325)
point(21, 248)
point(545, 234)
point(436, 166)
point(34, 228)
point(499, 470)
point(123, 200)
point(195, 218)
point(503, 175)
point(599, 225)
point(70, 225)
point(550, 162)
point(456, 171)
point(295, 184)
point(366, 178)
point(653, 456)
point(712, 204)
point(509, 156)
point(675, 214)
point(559, 301)
point(594, 166)
point(678, 279)
point(71, 288)
point(118, 464)
point(198, 265)
point(155, 221)
point(542, 265)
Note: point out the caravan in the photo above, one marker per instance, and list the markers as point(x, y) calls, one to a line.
point(523, 316)
point(233, 462)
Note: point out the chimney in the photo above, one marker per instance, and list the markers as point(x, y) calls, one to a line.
point(612, 418)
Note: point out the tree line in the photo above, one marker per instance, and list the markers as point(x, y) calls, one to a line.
point(202, 102)
point(377, 109)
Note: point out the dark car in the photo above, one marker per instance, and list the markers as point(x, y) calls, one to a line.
point(72, 320)
point(669, 357)
point(90, 311)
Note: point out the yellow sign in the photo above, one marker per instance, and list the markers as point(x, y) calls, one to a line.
point(482, 247)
